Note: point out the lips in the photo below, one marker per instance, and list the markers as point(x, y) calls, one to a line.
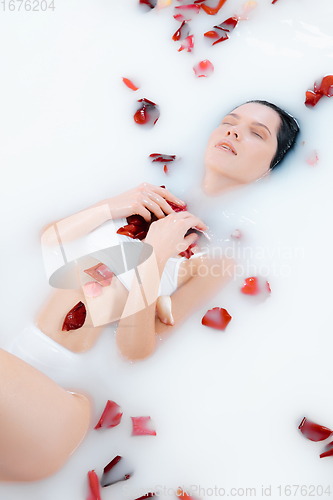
point(226, 146)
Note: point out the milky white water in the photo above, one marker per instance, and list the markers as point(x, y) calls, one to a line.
point(225, 405)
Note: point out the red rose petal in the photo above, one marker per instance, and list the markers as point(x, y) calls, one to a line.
point(147, 112)
point(112, 474)
point(211, 34)
point(203, 68)
point(186, 12)
point(150, 3)
point(182, 32)
point(326, 86)
point(217, 318)
point(188, 252)
point(228, 25)
point(313, 431)
point(328, 453)
point(130, 84)
point(222, 38)
point(251, 286)
point(268, 287)
point(162, 157)
point(75, 318)
point(187, 44)
point(93, 485)
point(140, 427)
point(111, 416)
point(182, 494)
point(101, 273)
point(212, 11)
point(147, 495)
point(311, 98)
point(165, 169)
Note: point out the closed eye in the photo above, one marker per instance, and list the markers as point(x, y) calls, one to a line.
point(258, 135)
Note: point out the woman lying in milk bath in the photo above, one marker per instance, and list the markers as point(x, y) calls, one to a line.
point(250, 141)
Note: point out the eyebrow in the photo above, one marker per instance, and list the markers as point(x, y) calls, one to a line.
point(253, 123)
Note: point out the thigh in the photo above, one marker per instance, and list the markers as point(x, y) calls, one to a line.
point(41, 423)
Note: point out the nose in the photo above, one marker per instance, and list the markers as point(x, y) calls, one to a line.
point(233, 132)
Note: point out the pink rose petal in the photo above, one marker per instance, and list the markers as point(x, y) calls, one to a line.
point(111, 416)
point(140, 427)
point(203, 68)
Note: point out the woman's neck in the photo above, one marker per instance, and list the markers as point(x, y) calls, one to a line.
point(215, 184)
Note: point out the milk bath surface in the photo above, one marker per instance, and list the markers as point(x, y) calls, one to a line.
point(225, 405)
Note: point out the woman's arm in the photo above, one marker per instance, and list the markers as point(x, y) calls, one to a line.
point(136, 331)
point(141, 200)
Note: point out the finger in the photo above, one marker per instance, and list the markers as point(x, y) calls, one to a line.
point(162, 203)
point(191, 238)
point(153, 207)
point(141, 210)
point(190, 220)
point(167, 195)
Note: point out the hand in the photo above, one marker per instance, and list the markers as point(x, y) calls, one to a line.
point(167, 235)
point(142, 200)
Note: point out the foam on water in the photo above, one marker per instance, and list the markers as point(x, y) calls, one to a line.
point(225, 405)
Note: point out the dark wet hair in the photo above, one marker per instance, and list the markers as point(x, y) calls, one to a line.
point(287, 132)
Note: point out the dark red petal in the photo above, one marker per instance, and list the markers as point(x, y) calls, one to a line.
point(211, 34)
point(140, 427)
point(113, 462)
point(137, 220)
point(147, 495)
point(228, 25)
point(150, 3)
point(328, 453)
point(93, 486)
point(162, 157)
point(148, 110)
point(182, 32)
point(217, 318)
point(130, 84)
point(313, 431)
point(188, 252)
point(311, 98)
point(111, 416)
point(124, 232)
point(147, 102)
point(326, 86)
point(251, 286)
point(75, 318)
point(222, 39)
point(177, 208)
point(274, 1)
point(212, 11)
point(113, 474)
point(101, 273)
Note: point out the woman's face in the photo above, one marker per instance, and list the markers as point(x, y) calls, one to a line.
point(244, 144)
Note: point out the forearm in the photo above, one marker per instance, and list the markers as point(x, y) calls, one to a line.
point(77, 225)
point(136, 331)
point(198, 290)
